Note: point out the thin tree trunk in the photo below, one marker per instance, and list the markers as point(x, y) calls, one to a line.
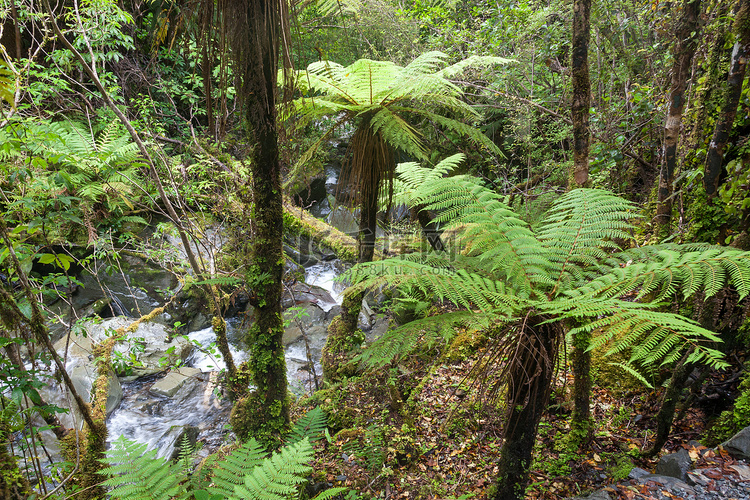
point(581, 139)
point(684, 48)
point(581, 425)
point(732, 93)
point(672, 395)
point(256, 27)
point(529, 383)
point(581, 92)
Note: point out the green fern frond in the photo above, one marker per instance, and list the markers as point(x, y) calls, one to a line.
point(231, 471)
point(662, 271)
point(330, 493)
point(136, 474)
point(404, 340)
point(277, 477)
point(311, 425)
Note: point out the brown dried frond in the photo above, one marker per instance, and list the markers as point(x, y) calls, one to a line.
point(517, 364)
point(371, 162)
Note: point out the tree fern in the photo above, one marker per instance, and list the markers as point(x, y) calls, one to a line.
point(569, 267)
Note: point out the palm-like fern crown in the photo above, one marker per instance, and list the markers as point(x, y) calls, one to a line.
point(570, 267)
point(380, 97)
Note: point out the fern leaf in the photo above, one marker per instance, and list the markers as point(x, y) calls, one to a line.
point(136, 474)
point(311, 426)
point(232, 470)
point(278, 476)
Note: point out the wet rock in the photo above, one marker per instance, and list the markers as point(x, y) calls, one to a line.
point(292, 334)
point(739, 445)
point(669, 482)
point(302, 292)
point(148, 344)
point(597, 495)
point(187, 435)
point(637, 472)
point(675, 464)
point(174, 380)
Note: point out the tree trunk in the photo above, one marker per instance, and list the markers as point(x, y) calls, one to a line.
point(255, 27)
point(581, 139)
point(581, 425)
point(731, 98)
point(13, 484)
point(672, 395)
point(684, 48)
point(529, 383)
point(581, 92)
point(429, 228)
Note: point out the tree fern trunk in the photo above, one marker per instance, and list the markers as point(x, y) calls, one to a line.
point(529, 383)
point(665, 417)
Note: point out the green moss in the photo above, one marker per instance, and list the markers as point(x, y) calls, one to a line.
point(339, 351)
point(299, 221)
point(465, 343)
point(253, 416)
point(732, 421)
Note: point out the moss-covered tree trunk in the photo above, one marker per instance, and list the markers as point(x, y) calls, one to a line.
point(684, 48)
point(731, 98)
point(254, 28)
point(13, 484)
point(581, 92)
point(581, 141)
point(529, 382)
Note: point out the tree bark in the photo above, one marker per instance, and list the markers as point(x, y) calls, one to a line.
point(581, 92)
point(529, 383)
point(255, 28)
point(672, 395)
point(684, 48)
point(731, 98)
point(581, 425)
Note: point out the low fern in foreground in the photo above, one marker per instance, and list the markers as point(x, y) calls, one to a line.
point(135, 473)
point(581, 263)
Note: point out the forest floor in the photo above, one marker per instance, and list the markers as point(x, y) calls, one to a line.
point(443, 442)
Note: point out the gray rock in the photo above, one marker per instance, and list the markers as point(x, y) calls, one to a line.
point(597, 495)
point(638, 472)
point(667, 481)
point(292, 334)
point(675, 464)
point(83, 379)
point(174, 380)
point(739, 445)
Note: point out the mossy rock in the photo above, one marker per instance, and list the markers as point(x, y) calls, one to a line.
point(466, 342)
point(339, 351)
point(299, 221)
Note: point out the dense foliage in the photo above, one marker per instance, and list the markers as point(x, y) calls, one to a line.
point(181, 134)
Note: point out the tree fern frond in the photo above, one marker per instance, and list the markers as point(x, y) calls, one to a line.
point(473, 61)
point(581, 224)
